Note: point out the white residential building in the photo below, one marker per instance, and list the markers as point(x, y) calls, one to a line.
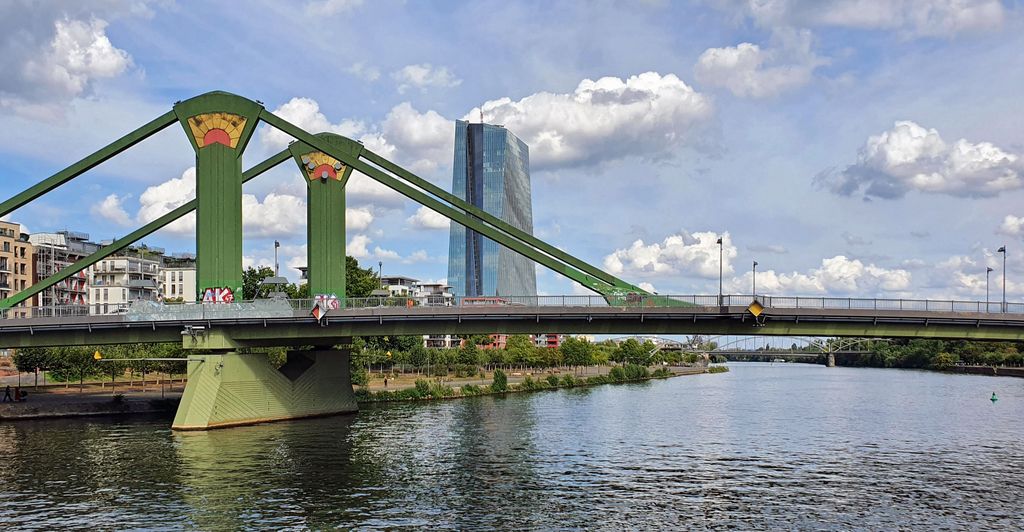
point(116, 282)
point(178, 283)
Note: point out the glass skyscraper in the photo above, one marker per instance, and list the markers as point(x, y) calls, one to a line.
point(491, 171)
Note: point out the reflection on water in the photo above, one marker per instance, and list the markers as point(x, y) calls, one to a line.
point(784, 446)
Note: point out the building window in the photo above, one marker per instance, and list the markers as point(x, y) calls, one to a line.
point(105, 294)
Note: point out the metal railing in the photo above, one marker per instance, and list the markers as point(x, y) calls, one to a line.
point(273, 308)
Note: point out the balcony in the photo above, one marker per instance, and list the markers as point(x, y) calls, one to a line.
point(142, 283)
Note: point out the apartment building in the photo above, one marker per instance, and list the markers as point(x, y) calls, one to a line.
point(16, 267)
point(53, 253)
point(116, 282)
point(178, 279)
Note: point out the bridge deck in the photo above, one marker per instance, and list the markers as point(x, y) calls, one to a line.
point(285, 325)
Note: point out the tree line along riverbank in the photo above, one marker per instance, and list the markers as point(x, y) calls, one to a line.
point(940, 355)
point(380, 355)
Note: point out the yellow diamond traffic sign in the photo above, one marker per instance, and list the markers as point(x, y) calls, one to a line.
point(755, 308)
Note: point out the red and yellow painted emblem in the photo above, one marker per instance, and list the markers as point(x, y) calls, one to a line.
point(217, 128)
point(319, 165)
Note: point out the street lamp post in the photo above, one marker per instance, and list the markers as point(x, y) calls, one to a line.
point(380, 273)
point(1002, 250)
point(277, 266)
point(753, 281)
point(988, 272)
point(720, 298)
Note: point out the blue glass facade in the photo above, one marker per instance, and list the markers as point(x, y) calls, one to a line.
point(491, 170)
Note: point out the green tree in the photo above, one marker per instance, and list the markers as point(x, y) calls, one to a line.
point(520, 349)
point(359, 282)
point(577, 352)
point(468, 353)
point(252, 279)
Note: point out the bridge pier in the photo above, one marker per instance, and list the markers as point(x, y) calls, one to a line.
point(831, 363)
point(228, 388)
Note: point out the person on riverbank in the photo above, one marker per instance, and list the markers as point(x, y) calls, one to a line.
point(7, 394)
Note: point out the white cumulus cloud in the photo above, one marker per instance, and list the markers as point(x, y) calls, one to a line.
point(112, 209)
point(680, 254)
point(305, 113)
point(276, 215)
point(358, 219)
point(838, 275)
point(46, 63)
point(1012, 225)
point(424, 76)
point(427, 219)
point(911, 157)
point(647, 115)
point(749, 71)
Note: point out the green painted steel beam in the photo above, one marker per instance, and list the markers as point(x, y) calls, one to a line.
point(76, 169)
point(132, 237)
point(499, 223)
point(482, 224)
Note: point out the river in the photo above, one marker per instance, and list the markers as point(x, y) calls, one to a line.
point(784, 446)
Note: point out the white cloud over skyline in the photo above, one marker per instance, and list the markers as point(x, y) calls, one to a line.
point(911, 157)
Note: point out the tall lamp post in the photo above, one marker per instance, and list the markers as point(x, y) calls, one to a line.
point(1002, 250)
point(380, 273)
point(721, 300)
point(277, 266)
point(753, 281)
point(988, 272)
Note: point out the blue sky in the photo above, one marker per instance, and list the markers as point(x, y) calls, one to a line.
point(851, 147)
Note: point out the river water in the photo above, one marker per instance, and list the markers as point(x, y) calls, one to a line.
point(785, 446)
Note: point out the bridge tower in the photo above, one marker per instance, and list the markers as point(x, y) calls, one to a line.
point(219, 125)
point(325, 178)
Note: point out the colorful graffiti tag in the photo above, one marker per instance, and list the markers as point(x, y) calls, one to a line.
point(218, 295)
point(328, 301)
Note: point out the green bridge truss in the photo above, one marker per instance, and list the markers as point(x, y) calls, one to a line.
point(219, 125)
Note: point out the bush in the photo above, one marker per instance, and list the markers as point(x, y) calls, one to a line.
point(500, 384)
point(635, 372)
point(599, 379)
point(718, 369)
point(661, 373)
point(465, 370)
point(617, 374)
point(470, 390)
point(422, 388)
point(360, 376)
point(363, 395)
point(553, 381)
point(568, 381)
point(438, 390)
point(529, 385)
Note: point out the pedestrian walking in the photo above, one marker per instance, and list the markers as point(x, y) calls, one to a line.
point(7, 394)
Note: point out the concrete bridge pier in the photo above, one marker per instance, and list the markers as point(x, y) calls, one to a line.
point(229, 388)
point(831, 360)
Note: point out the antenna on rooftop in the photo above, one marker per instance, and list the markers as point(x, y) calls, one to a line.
point(481, 114)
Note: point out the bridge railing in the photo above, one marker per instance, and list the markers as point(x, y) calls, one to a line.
point(270, 308)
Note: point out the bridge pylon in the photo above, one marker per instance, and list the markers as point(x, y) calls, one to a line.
point(218, 125)
point(325, 178)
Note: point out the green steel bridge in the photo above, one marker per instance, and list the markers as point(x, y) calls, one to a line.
point(227, 388)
